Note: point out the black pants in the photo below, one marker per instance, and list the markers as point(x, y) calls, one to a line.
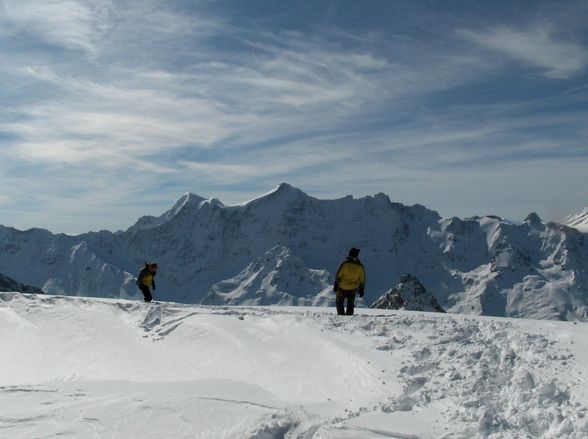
point(340, 301)
point(146, 293)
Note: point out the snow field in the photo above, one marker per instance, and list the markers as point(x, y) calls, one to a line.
point(74, 367)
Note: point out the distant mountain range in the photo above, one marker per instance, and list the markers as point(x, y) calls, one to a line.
point(284, 247)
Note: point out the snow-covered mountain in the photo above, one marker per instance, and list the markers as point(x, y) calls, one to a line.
point(284, 247)
point(61, 264)
point(275, 277)
point(409, 295)
point(578, 220)
point(8, 284)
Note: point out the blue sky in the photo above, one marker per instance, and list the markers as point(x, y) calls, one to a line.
point(113, 109)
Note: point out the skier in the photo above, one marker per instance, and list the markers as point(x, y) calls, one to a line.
point(146, 279)
point(350, 279)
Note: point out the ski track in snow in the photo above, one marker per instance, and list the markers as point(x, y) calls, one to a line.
point(403, 375)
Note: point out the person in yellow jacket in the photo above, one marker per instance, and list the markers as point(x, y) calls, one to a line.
point(349, 281)
point(146, 279)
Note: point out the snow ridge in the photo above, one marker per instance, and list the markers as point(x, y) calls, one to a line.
point(231, 372)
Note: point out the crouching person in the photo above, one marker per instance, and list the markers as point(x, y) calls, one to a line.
point(146, 280)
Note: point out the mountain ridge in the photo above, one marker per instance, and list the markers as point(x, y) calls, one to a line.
point(577, 220)
point(480, 265)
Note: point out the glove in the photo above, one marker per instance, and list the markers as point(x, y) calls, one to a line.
point(336, 286)
point(361, 292)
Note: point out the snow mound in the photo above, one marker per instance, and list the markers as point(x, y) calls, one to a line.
point(409, 295)
point(125, 369)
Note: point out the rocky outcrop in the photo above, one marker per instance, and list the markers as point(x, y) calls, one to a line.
point(409, 295)
point(10, 285)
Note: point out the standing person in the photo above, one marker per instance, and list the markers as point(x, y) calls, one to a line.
point(146, 279)
point(350, 279)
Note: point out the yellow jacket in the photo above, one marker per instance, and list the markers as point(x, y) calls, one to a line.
point(146, 277)
point(350, 275)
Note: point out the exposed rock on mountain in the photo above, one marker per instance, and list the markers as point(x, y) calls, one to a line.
point(10, 285)
point(409, 295)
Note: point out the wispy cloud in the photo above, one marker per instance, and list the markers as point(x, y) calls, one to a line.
point(539, 46)
point(300, 87)
point(67, 23)
point(164, 98)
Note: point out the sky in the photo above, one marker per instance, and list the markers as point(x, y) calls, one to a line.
point(113, 109)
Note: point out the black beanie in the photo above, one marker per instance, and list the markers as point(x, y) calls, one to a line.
point(354, 252)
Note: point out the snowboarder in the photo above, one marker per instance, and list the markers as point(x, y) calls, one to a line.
point(146, 279)
point(349, 281)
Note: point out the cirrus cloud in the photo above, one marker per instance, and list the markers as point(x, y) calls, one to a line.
point(538, 46)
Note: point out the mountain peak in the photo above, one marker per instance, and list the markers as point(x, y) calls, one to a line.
point(285, 188)
point(409, 295)
point(283, 191)
point(533, 219)
point(188, 199)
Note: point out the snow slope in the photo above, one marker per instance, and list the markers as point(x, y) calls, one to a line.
point(284, 247)
point(104, 368)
